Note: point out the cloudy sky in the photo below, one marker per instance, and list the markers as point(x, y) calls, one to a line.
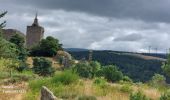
point(125, 25)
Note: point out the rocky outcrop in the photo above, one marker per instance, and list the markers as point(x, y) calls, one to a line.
point(46, 94)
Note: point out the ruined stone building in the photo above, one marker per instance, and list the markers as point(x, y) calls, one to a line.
point(8, 33)
point(34, 33)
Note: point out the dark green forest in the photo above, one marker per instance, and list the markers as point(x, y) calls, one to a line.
point(137, 68)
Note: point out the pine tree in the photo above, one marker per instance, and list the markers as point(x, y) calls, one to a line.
point(2, 25)
point(166, 66)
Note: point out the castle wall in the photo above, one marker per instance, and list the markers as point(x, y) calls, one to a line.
point(34, 35)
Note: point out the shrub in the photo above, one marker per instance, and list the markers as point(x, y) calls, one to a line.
point(87, 69)
point(138, 96)
point(43, 67)
point(47, 47)
point(165, 96)
point(158, 80)
point(36, 85)
point(100, 81)
point(126, 88)
point(95, 67)
point(85, 97)
point(66, 77)
point(127, 79)
point(83, 69)
point(99, 73)
point(111, 73)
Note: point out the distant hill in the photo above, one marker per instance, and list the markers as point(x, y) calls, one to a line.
point(138, 66)
point(75, 49)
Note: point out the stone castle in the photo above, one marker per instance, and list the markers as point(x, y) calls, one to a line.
point(34, 33)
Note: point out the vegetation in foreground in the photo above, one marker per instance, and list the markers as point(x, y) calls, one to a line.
point(84, 80)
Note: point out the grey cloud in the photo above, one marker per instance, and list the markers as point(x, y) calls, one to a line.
point(147, 10)
point(130, 38)
point(96, 23)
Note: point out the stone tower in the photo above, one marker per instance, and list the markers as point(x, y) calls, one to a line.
point(34, 33)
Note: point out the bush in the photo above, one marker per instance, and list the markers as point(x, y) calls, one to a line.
point(126, 88)
point(47, 47)
point(95, 67)
point(158, 80)
point(85, 97)
point(127, 79)
point(36, 85)
point(165, 96)
point(138, 96)
point(43, 67)
point(86, 69)
point(111, 73)
point(66, 78)
point(100, 81)
point(83, 69)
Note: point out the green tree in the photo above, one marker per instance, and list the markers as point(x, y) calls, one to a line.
point(138, 96)
point(158, 80)
point(83, 69)
point(46, 47)
point(7, 49)
point(87, 69)
point(2, 24)
point(19, 41)
point(166, 66)
point(111, 73)
point(95, 67)
point(43, 67)
point(22, 52)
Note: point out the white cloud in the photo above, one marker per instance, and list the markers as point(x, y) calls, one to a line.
point(82, 30)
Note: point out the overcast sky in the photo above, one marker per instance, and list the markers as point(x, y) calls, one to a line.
point(124, 25)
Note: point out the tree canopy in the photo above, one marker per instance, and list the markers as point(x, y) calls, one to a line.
point(46, 47)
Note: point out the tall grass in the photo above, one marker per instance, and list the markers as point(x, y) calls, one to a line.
point(62, 84)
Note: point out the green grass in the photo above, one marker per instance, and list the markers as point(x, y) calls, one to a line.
point(63, 84)
point(16, 76)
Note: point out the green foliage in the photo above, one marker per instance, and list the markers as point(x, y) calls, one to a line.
point(66, 77)
point(7, 49)
point(4, 22)
point(100, 82)
point(127, 79)
point(158, 80)
point(36, 85)
point(165, 96)
point(166, 66)
point(46, 47)
point(63, 85)
point(95, 67)
point(22, 53)
point(85, 97)
point(83, 69)
point(111, 73)
point(138, 96)
point(86, 69)
point(126, 88)
point(42, 67)
point(135, 67)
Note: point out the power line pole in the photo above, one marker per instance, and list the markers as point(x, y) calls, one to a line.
point(90, 55)
point(156, 50)
point(149, 49)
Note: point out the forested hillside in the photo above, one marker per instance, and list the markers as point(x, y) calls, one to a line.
point(137, 68)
